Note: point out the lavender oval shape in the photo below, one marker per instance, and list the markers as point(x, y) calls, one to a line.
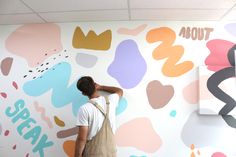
point(129, 66)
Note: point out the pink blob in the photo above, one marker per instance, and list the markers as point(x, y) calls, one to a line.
point(27, 155)
point(218, 54)
point(6, 132)
point(14, 147)
point(4, 95)
point(197, 90)
point(14, 84)
point(218, 154)
point(35, 42)
point(140, 134)
point(190, 92)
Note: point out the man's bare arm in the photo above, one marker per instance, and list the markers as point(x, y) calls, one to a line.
point(110, 89)
point(81, 141)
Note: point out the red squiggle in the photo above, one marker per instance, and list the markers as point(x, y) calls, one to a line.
point(43, 115)
point(166, 49)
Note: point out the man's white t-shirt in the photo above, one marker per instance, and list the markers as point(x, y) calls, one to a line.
point(91, 116)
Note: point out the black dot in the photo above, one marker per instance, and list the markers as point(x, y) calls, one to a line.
point(46, 69)
point(34, 77)
point(38, 70)
point(45, 54)
point(30, 71)
point(66, 56)
point(47, 63)
point(41, 64)
point(25, 76)
point(42, 71)
point(64, 50)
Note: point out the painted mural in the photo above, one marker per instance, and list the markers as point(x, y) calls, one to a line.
point(168, 70)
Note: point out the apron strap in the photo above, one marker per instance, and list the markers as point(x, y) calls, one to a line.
point(107, 103)
point(100, 108)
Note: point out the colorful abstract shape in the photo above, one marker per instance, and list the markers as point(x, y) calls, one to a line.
point(35, 42)
point(230, 28)
point(173, 113)
point(43, 116)
point(121, 106)
point(6, 65)
point(166, 50)
point(86, 60)
point(6, 133)
point(69, 148)
point(14, 84)
point(190, 92)
point(68, 132)
point(92, 40)
point(218, 154)
point(159, 95)
point(206, 131)
point(130, 135)
point(3, 94)
point(14, 147)
point(128, 67)
point(218, 54)
point(133, 32)
point(59, 122)
point(56, 79)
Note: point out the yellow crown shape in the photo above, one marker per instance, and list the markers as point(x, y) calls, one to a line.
point(92, 40)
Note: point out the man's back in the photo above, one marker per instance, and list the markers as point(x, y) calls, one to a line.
point(89, 115)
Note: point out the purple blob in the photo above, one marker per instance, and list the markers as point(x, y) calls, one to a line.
point(231, 28)
point(128, 67)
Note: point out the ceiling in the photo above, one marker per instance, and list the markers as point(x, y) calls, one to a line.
point(41, 11)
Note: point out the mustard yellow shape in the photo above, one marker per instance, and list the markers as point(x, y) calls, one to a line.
point(92, 40)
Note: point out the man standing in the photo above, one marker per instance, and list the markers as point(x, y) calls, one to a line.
point(96, 120)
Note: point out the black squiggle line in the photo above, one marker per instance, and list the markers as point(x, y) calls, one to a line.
point(213, 86)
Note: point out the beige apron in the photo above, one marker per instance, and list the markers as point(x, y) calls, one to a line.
point(103, 143)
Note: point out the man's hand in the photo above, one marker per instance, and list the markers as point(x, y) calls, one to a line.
point(97, 86)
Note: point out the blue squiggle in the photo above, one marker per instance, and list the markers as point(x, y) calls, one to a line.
point(57, 79)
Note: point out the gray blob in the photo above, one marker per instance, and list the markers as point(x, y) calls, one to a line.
point(86, 60)
point(212, 131)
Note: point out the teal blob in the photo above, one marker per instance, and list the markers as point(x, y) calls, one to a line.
point(173, 113)
point(122, 106)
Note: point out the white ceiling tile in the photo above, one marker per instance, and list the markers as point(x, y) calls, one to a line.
point(176, 14)
point(200, 4)
point(19, 19)
point(13, 7)
point(103, 15)
point(231, 16)
point(75, 5)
